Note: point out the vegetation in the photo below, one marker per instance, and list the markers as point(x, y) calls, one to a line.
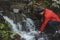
point(5, 32)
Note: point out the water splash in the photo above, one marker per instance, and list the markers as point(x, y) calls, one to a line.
point(30, 24)
point(23, 34)
point(17, 28)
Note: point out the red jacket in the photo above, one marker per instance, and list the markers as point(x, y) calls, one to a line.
point(49, 16)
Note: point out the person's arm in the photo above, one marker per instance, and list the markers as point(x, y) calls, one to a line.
point(44, 25)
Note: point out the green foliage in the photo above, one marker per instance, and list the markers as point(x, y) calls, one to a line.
point(2, 26)
point(5, 35)
point(5, 31)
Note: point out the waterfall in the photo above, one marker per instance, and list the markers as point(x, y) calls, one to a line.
point(17, 28)
point(13, 25)
point(23, 34)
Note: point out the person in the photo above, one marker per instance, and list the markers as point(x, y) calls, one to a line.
point(48, 17)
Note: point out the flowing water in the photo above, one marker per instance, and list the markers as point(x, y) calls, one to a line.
point(26, 30)
point(23, 34)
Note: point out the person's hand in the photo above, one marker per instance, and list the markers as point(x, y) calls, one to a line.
point(39, 32)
